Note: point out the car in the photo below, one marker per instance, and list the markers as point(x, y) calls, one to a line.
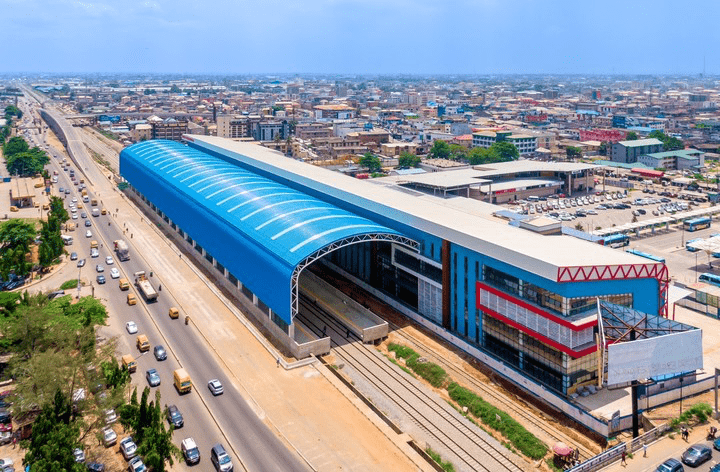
point(128, 448)
point(7, 462)
point(5, 416)
point(61, 190)
point(81, 263)
point(190, 451)
point(715, 468)
point(88, 223)
point(74, 199)
point(99, 268)
point(100, 279)
point(6, 437)
point(74, 216)
point(670, 465)
point(94, 253)
point(215, 387)
point(110, 416)
point(109, 437)
point(95, 467)
point(73, 256)
point(114, 273)
point(174, 416)
point(160, 353)
point(131, 327)
point(79, 455)
point(220, 458)
point(136, 465)
point(153, 378)
point(109, 260)
point(83, 215)
point(696, 454)
point(88, 234)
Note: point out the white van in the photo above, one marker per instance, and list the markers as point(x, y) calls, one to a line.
point(68, 240)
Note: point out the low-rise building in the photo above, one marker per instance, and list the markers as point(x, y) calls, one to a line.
point(629, 151)
point(674, 160)
point(525, 143)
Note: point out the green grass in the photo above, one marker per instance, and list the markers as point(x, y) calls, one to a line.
point(519, 437)
point(446, 465)
point(701, 412)
point(433, 373)
point(68, 284)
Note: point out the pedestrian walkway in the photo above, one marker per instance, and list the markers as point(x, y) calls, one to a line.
point(666, 448)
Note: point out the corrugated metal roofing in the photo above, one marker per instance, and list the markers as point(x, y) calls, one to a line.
point(288, 222)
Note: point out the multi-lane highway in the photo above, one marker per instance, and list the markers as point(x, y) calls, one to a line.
point(227, 419)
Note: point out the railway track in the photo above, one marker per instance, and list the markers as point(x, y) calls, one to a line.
point(498, 399)
point(433, 415)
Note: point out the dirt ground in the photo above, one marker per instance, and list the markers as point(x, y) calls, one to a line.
point(672, 410)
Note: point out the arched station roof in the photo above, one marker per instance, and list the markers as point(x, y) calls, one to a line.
point(261, 231)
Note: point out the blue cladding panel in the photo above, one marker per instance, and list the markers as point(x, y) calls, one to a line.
point(260, 230)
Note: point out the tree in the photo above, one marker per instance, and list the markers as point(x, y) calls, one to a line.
point(480, 155)
point(631, 136)
point(17, 233)
point(440, 150)
point(175, 89)
point(14, 146)
point(604, 146)
point(457, 152)
point(54, 438)
point(506, 151)
point(407, 160)
point(573, 152)
point(371, 162)
point(670, 143)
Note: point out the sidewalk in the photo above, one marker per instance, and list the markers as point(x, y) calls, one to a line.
point(309, 414)
point(666, 448)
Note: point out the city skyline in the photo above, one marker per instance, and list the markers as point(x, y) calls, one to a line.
point(352, 37)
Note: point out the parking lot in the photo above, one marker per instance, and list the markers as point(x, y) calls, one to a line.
point(614, 208)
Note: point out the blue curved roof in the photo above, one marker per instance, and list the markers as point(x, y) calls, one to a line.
point(248, 222)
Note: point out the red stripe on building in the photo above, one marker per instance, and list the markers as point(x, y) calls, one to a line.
point(517, 301)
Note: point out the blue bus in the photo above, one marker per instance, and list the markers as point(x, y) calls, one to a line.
point(710, 278)
point(646, 255)
point(617, 240)
point(692, 249)
point(697, 223)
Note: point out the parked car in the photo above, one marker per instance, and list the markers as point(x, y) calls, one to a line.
point(109, 437)
point(136, 465)
point(110, 416)
point(128, 448)
point(79, 455)
point(95, 467)
point(696, 454)
point(174, 416)
point(73, 256)
point(131, 327)
point(215, 387)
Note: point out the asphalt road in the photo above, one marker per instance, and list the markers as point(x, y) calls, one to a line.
point(227, 418)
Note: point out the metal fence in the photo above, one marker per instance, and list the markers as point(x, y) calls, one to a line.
point(611, 455)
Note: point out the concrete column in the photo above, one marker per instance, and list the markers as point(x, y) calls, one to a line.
point(446, 284)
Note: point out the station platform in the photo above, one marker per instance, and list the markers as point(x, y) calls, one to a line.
point(606, 402)
point(303, 334)
point(355, 317)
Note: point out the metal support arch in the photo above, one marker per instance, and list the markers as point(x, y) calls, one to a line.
point(360, 238)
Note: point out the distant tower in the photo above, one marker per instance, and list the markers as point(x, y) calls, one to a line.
point(214, 113)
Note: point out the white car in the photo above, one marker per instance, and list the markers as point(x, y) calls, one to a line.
point(109, 260)
point(131, 327)
point(74, 216)
point(88, 234)
point(74, 200)
point(114, 273)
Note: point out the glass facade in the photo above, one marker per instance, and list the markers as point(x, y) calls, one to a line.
point(546, 299)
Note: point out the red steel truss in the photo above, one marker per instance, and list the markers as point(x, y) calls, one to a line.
point(620, 272)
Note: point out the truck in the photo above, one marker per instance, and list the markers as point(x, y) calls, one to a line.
point(145, 287)
point(183, 384)
point(122, 250)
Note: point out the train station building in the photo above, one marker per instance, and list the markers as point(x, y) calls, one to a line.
point(515, 299)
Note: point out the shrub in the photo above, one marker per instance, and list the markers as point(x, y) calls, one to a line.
point(701, 412)
point(433, 373)
point(72, 283)
point(445, 465)
point(500, 421)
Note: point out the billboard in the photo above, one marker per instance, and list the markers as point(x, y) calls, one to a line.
point(661, 355)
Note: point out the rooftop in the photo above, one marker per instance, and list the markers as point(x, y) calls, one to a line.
point(460, 220)
point(641, 142)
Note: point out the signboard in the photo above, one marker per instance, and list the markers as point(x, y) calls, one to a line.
point(662, 355)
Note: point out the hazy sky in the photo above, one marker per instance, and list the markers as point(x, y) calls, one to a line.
point(360, 36)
